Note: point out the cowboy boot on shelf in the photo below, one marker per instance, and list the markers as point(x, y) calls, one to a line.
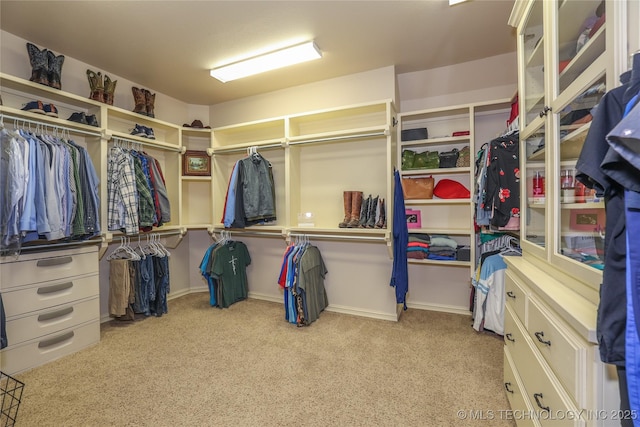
point(139, 101)
point(96, 86)
point(39, 64)
point(373, 207)
point(382, 218)
point(346, 197)
point(54, 73)
point(149, 100)
point(364, 212)
point(356, 205)
point(109, 90)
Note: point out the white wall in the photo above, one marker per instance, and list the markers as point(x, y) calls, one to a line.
point(485, 79)
point(14, 60)
point(358, 88)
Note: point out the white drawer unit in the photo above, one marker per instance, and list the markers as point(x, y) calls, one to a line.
point(551, 362)
point(516, 296)
point(34, 353)
point(513, 387)
point(51, 303)
point(564, 351)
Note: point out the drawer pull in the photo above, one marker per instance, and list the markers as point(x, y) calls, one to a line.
point(56, 340)
point(540, 336)
point(507, 386)
point(55, 288)
point(55, 314)
point(49, 262)
point(510, 294)
point(538, 396)
point(509, 337)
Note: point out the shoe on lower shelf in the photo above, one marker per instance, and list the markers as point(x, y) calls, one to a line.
point(149, 133)
point(78, 118)
point(139, 130)
point(50, 110)
point(34, 107)
point(92, 120)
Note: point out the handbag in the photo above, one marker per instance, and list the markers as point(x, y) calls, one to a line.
point(426, 160)
point(408, 157)
point(448, 159)
point(418, 188)
point(464, 158)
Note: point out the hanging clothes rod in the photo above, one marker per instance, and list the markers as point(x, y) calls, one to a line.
point(252, 233)
point(148, 144)
point(338, 237)
point(160, 233)
point(338, 138)
point(37, 123)
point(55, 245)
point(237, 150)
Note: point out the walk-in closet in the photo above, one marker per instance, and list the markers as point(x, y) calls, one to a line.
point(428, 223)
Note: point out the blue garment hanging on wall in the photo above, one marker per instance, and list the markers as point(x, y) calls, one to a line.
point(400, 272)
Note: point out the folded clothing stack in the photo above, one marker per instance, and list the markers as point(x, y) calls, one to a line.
point(418, 246)
point(442, 248)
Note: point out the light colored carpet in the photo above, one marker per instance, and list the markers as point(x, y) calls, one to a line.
point(246, 366)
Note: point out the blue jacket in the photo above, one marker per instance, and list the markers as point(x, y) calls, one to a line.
point(400, 273)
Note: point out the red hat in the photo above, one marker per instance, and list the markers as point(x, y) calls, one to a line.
point(450, 189)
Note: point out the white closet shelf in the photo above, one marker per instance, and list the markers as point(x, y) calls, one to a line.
point(45, 93)
point(145, 141)
point(437, 202)
point(438, 171)
point(15, 114)
point(439, 262)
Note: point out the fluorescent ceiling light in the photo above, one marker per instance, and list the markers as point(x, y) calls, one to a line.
point(454, 2)
point(267, 62)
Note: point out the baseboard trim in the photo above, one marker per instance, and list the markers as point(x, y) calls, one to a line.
point(440, 307)
point(362, 313)
point(333, 308)
point(266, 297)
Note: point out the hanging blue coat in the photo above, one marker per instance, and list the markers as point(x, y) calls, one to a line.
point(400, 273)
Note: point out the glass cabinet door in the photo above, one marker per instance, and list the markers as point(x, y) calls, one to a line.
point(580, 84)
point(535, 182)
point(581, 34)
point(581, 214)
point(532, 42)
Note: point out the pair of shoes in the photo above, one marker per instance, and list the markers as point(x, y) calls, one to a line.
point(373, 213)
point(363, 213)
point(46, 66)
point(80, 117)
point(143, 100)
point(352, 206)
point(143, 131)
point(101, 90)
point(41, 108)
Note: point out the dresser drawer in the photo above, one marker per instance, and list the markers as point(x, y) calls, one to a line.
point(564, 352)
point(48, 295)
point(52, 320)
point(515, 296)
point(515, 336)
point(51, 347)
point(515, 393)
point(551, 404)
point(47, 266)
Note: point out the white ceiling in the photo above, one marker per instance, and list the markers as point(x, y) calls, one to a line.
point(169, 46)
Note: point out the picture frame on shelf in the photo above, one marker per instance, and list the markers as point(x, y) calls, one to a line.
point(414, 219)
point(196, 163)
point(587, 219)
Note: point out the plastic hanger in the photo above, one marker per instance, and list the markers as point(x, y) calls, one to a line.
point(511, 248)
